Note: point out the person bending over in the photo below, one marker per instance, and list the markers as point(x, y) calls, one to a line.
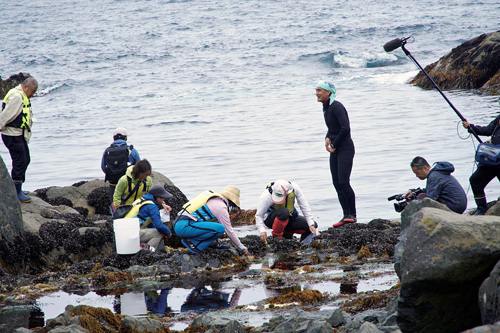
point(147, 209)
point(441, 185)
point(206, 218)
point(276, 210)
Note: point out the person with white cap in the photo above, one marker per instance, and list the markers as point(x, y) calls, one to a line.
point(339, 145)
point(276, 210)
point(206, 218)
point(147, 209)
point(117, 157)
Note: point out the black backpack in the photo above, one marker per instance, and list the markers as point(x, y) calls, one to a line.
point(115, 162)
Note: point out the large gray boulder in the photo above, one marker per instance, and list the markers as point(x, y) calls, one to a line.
point(489, 297)
point(444, 260)
point(11, 219)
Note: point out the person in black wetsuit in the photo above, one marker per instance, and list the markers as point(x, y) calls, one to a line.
point(484, 174)
point(339, 144)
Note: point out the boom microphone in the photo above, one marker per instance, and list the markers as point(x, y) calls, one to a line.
point(394, 44)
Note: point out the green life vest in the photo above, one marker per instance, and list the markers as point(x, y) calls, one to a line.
point(136, 206)
point(23, 120)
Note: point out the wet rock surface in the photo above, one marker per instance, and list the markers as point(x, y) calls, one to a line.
point(471, 65)
point(68, 245)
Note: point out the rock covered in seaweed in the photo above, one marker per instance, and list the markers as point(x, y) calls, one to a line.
point(472, 65)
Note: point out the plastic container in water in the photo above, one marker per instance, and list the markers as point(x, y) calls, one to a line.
point(127, 235)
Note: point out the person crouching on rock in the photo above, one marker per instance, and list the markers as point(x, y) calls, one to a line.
point(153, 231)
point(276, 210)
point(441, 185)
point(206, 217)
point(134, 184)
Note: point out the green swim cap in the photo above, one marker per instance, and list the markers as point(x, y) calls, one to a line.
point(328, 86)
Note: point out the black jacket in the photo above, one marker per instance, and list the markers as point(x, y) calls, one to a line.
point(492, 129)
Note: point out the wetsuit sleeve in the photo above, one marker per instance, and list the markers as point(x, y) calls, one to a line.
point(219, 208)
point(13, 108)
point(303, 204)
point(264, 203)
point(340, 113)
point(151, 211)
point(434, 187)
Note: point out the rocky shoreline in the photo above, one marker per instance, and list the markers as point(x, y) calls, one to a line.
point(448, 265)
point(67, 244)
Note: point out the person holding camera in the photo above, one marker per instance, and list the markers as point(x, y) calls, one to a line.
point(441, 185)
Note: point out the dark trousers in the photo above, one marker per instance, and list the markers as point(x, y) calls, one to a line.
point(20, 155)
point(482, 177)
point(341, 167)
point(296, 224)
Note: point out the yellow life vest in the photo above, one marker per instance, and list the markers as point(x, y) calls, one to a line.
point(288, 203)
point(198, 206)
point(136, 206)
point(23, 120)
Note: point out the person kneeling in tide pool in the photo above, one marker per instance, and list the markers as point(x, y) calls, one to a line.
point(147, 209)
point(276, 210)
point(205, 218)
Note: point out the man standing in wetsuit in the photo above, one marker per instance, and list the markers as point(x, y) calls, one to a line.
point(339, 144)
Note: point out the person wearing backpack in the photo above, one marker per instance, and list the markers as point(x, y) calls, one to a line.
point(134, 184)
point(147, 209)
point(117, 158)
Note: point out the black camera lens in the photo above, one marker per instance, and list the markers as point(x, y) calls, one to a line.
point(399, 206)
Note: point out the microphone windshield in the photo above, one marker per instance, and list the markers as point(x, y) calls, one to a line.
point(393, 44)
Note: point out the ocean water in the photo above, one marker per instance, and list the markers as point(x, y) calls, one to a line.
point(222, 92)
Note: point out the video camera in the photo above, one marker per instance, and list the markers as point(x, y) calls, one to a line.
point(402, 200)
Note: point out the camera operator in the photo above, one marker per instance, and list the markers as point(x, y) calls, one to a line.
point(441, 185)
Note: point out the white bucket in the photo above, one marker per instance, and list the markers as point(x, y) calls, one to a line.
point(127, 235)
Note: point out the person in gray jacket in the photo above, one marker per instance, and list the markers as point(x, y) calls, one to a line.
point(441, 185)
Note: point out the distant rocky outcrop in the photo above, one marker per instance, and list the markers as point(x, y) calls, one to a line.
point(474, 64)
point(442, 259)
point(11, 82)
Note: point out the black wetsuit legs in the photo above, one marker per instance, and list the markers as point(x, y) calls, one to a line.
point(341, 167)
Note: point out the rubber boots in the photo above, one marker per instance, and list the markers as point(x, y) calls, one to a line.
point(279, 227)
point(482, 206)
point(20, 194)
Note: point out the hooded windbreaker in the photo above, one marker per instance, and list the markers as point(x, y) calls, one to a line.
point(443, 187)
